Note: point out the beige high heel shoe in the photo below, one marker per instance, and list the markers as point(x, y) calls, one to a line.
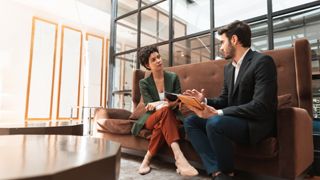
point(144, 170)
point(183, 166)
point(185, 169)
point(145, 165)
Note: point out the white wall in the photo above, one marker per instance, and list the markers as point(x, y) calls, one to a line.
point(14, 58)
point(15, 40)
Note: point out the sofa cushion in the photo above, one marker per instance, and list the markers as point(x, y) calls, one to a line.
point(266, 149)
point(138, 111)
point(116, 126)
point(113, 113)
point(284, 101)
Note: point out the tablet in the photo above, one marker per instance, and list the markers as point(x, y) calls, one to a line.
point(171, 96)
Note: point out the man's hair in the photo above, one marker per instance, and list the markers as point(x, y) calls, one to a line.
point(144, 54)
point(240, 29)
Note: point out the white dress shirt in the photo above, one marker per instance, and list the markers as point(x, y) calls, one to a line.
point(237, 66)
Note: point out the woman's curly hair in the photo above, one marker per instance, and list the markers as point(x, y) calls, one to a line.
point(144, 54)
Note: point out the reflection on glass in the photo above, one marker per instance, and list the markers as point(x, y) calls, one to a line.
point(305, 24)
point(192, 50)
point(163, 27)
point(127, 32)
point(316, 97)
point(147, 39)
point(217, 45)
point(148, 26)
point(227, 11)
point(121, 94)
point(259, 40)
point(190, 17)
point(125, 6)
point(164, 52)
point(154, 25)
point(164, 6)
point(146, 2)
point(179, 29)
point(278, 5)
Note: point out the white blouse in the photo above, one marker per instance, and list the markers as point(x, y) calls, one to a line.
point(162, 102)
point(161, 95)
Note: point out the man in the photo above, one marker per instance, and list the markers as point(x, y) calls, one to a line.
point(244, 113)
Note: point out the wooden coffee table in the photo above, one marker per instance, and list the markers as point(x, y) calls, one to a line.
point(58, 157)
point(42, 127)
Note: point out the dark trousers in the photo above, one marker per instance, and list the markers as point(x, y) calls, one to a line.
point(212, 139)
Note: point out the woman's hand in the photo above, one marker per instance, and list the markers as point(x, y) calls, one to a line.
point(151, 106)
point(194, 93)
point(155, 105)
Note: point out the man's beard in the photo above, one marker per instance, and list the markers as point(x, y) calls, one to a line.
point(229, 53)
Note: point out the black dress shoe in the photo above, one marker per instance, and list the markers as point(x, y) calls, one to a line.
point(222, 176)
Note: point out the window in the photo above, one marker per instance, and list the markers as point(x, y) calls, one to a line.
point(190, 17)
point(122, 87)
point(125, 6)
point(278, 5)
point(127, 32)
point(154, 25)
point(192, 50)
point(259, 40)
point(226, 11)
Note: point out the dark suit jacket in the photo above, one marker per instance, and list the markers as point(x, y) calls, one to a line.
point(150, 94)
point(253, 96)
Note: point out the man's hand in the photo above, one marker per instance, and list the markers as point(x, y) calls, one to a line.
point(207, 112)
point(198, 95)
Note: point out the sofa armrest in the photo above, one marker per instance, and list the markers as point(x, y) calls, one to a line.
point(113, 121)
point(295, 140)
point(111, 113)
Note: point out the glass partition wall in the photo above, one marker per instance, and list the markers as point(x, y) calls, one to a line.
point(185, 32)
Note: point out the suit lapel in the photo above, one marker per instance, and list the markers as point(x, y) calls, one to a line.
point(230, 78)
point(153, 87)
point(245, 64)
point(167, 82)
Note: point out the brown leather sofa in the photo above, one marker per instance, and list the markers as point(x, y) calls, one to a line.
point(288, 154)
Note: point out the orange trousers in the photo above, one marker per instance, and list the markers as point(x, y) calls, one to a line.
point(165, 128)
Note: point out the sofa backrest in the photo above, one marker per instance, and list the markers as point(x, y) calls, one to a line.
point(293, 67)
point(294, 73)
point(207, 75)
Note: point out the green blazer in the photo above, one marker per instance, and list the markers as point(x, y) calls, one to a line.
point(150, 94)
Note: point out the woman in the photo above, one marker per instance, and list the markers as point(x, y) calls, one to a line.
point(161, 116)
